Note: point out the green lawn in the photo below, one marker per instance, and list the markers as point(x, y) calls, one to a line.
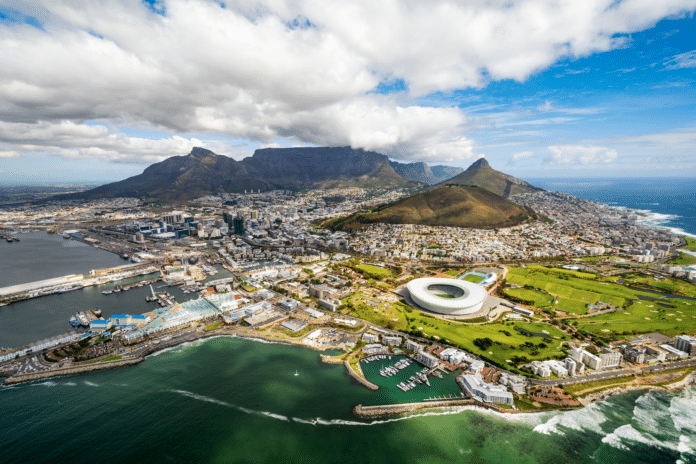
point(541, 300)
point(373, 272)
point(571, 306)
point(644, 317)
point(213, 326)
point(690, 245)
point(683, 260)
point(474, 279)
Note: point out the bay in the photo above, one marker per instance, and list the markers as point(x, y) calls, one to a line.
point(234, 400)
point(40, 256)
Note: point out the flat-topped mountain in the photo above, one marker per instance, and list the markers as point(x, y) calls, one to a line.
point(449, 206)
point(481, 174)
point(421, 172)
point(202, 172)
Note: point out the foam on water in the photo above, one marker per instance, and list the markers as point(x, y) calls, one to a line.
point(47, 383)
point(588, 418)
point(91, 384)
point(682, 410)
point(208, 399)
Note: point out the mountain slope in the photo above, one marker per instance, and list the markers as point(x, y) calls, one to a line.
point(481, 174)
point(421, 172)
point(451, 206)
point(202, 172)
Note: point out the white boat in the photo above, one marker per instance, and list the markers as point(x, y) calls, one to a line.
point(296, 373)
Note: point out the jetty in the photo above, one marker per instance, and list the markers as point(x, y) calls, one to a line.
point(390, 410)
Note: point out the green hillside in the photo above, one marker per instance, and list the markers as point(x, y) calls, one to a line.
point(451, 206)
point(481, 174)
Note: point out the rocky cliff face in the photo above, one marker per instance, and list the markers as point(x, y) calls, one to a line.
point(203, 172)
point(421, 172)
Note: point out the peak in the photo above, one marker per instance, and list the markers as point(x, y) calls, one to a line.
point(480, 163)
point(199, 152)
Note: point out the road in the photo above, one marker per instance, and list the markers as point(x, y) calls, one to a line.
point(617, 373)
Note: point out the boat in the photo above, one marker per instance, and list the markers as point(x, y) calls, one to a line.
point(74, 322)
point(296, 373)
point(97, 312)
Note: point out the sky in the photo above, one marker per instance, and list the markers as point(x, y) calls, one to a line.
point(97, 90)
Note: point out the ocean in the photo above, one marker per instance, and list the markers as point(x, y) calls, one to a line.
point(234, 400)
point(668, 203)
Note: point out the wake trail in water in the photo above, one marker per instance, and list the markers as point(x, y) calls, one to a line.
point(208, 399)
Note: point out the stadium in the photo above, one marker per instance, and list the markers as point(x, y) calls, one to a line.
point(447, 296)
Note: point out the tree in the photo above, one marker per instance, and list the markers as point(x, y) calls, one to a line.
point(483, 343)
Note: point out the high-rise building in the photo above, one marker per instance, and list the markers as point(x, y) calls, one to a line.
point(254, 215)
point(175, 217)
point(238, 224)
point(228, 217)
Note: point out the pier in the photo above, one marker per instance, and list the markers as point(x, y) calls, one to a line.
point(390, 410)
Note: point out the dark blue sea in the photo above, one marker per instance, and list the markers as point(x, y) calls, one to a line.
point(669, 202)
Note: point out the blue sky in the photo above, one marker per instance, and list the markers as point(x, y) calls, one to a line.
point(97, 92)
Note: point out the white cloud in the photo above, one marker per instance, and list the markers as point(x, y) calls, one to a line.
point(518, 156)
point(242, 71)
point(9, 154)
point(522, 155)
point(580, 154)
point(683, 60)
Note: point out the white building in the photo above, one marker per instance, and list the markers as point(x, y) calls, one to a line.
point(391, 341)
point(475, 387)
point(427, 359)
point(413, 346)
point(370, 338)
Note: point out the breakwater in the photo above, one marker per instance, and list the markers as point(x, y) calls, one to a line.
point(361, 380)
point(389, 410)
point(73, 370)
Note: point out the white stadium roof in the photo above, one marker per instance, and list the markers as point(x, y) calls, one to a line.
point(464, 297)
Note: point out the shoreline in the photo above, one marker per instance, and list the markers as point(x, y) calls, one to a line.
point(373, 412)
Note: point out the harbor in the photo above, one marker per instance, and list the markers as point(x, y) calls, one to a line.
point(404, 380)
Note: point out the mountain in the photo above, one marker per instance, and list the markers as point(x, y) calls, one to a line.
point(421, 172)
point(202, 172)
point(450, 206)
point(481, 174)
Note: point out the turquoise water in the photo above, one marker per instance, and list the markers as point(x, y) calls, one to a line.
point(234, 400)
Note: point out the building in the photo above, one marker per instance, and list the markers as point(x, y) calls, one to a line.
point(293, 325)
point(238, 224)
point(453, 356)
point(329, 304)
point(479, 390)
point(175, 217)
point(610, 359)
point(370, 338)
point(633, 354)
point(447, 296)
point(571, 366)
point(289, 303)
point(522, 311)
point(427, 359)
point(541, 369)
point(314, 313)
point(413, 346)
point(675, 352)
point(100, 325)
point(375, 348)
point(685, 343)
point(121, 320)
point(391, 341)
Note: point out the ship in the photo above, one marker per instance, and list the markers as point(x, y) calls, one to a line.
point(74, 322)
point(97, 312)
